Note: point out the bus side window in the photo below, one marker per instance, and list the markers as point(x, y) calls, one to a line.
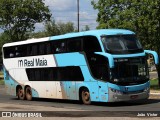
point(11, 52)
point(21, 52)
point(42, 49)
point(30, 74)
point(59, 46)
point(91, 44)
point(37, 74)
point(29, 50)
point(74, 45)
point(35, 49)
point(48, 48)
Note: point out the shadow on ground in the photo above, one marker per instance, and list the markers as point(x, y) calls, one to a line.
point(108, 104)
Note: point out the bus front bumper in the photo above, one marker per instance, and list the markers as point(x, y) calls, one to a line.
point(115, 96)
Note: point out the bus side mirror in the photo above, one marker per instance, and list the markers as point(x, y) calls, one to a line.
point(154, 54)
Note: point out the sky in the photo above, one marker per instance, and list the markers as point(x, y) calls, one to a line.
point(66, 11)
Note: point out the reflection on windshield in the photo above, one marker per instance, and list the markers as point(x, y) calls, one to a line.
point(123, 42)
point(130, 71)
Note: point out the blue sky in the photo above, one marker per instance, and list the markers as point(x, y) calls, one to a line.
point(66, 10)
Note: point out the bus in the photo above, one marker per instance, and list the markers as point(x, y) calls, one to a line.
point(107, 65)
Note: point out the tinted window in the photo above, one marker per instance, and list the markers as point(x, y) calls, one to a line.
point(59, 46)
point(48, 48)
point(42, 49)
point(8, 52)
point(74, 45)
point(55, 74)
point(121, 42)
point(91, 44)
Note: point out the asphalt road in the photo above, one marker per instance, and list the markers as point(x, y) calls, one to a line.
point(148, 105)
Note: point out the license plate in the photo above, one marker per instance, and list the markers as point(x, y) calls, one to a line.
point(134, 96)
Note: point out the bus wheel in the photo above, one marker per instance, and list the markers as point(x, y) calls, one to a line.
point(20, 94)
point(28, 92)
point(85, 95)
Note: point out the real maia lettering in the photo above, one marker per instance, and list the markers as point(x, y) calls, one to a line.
point(32, 63)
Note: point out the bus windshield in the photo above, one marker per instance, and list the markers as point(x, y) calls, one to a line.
point(121, 43)
point(130, 71)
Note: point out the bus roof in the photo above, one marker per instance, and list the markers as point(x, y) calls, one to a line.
point(96, 33)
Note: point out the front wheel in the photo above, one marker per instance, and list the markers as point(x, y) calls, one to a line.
point(20, 93)
point(28, 93)
point(85, 95)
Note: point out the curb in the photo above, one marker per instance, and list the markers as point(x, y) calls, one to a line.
point(154, 93)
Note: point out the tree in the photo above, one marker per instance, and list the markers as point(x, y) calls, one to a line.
point(3, 39)
point(86, 28)
point(140, 16)
point(18, 17)
point(53, 28)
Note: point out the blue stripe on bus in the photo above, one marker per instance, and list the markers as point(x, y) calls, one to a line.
point(70, 59)
point(129, 55)
point(96, 33)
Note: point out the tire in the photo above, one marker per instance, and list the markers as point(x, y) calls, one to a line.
point(20, 94)
point(28, 93)
point(85, 96)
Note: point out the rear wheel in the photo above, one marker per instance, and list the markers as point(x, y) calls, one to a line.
point(85, 95)
point(28, 93)
point(20, 93)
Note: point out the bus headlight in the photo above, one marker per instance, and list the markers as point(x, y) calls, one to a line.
point(116, 91)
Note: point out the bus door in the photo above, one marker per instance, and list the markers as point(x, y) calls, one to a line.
point(103, 75)
point(100, 71)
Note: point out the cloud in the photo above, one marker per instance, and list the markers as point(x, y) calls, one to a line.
point(66, 11)
point(60, 5)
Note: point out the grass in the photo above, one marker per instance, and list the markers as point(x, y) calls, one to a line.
point(1, 73)
point(1, 78)
point(154, 84)
point(1, 82)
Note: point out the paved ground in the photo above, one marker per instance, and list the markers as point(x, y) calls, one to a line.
point(75, 110)
point(153, 75)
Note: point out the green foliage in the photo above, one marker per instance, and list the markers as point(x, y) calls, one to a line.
point(52, 29)
point(140, 16)
point(4, 38)
point(18, 17)
point(154, 84)
point(86, 28)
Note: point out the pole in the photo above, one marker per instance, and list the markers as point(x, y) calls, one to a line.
point(78, 13)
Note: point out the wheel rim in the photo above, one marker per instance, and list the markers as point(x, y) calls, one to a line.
point(28, 93)
point(20, 93)
point(86, 96)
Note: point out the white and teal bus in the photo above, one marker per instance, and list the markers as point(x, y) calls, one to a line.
point(107, 65)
